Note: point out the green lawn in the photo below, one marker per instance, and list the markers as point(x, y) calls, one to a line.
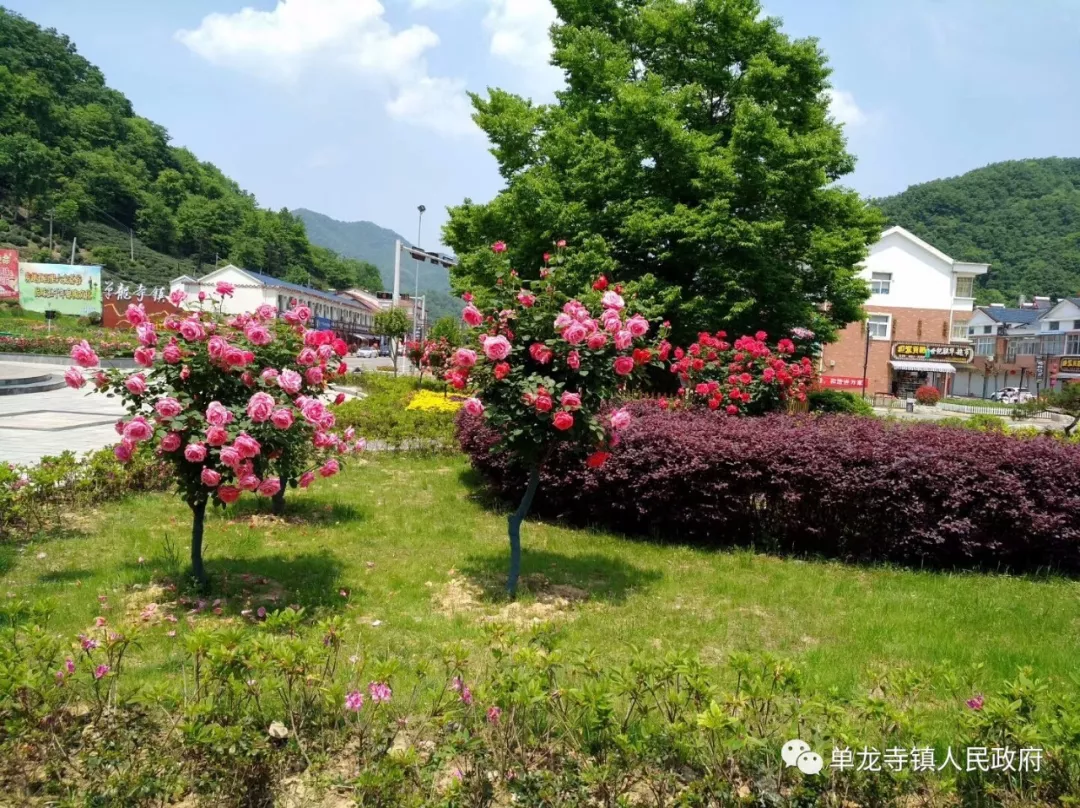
point(417, 548)
point(977, 402)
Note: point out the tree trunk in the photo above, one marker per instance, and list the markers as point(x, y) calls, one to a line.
point(278, 500)
point(514, 530)
point(198, 572)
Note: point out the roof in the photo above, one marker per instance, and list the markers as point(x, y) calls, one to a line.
point(1005, 315)
point(307, 291)
point(958, 266)
point(928, 367)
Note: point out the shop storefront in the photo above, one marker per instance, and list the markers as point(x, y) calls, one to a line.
point(916, 364)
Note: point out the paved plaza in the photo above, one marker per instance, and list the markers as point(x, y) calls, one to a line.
point(35, 425)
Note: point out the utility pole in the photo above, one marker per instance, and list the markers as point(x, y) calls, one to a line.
point(866, 358)
point(416, 264)
point(131, 237)
point(50, 234)
point(74, 239)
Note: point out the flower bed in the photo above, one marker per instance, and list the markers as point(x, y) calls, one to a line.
point(430, 401)
point(387, 415)
point(57, 345)
point(853, 488)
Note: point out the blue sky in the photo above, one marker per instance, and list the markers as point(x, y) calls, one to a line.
point(356, 108)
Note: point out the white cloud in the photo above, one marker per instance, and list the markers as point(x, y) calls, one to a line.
point(844, 108)
point(298, 36)
point(519, 35)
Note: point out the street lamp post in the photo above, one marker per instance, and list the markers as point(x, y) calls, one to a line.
point(416, 263)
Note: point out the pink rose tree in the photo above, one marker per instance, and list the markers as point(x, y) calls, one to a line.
point(545, 367)
point(234, 403)
point(744, 377)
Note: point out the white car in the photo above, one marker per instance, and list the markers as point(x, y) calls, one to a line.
point(367, 353)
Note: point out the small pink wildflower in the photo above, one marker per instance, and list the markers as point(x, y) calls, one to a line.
point(354, 701)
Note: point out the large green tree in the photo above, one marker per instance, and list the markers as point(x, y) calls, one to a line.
point(693, 143)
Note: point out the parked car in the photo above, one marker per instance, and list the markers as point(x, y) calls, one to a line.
point(367, 353)
point(385, 351)
point(1004, 393)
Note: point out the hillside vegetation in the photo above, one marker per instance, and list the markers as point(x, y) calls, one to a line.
point(73, 149)
point(1023, 217)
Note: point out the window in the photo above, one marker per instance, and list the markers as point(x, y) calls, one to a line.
point(1054, 346)
point(960, 332)
point(877, 325)
point(988, 329)
point(880, 283)
point(984, 346)
point(1053, 325)
point(1021, 347)
point(971, 331)
point(965, 287)
point(1076, 325)
point(1072, 344)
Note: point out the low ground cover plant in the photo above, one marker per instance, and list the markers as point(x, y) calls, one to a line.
point(397, 416)
point(293, 709)
point(860, 489)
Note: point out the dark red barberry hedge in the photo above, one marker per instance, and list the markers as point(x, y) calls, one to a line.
point(839, 486)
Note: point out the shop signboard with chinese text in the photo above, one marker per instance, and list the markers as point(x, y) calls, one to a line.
point(9, 275)
point(60, 287)
point(843, 382)
point(932, 351)
point(118, 295)
point(1069, 367)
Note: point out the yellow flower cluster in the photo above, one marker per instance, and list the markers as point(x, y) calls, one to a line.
point(430, 401)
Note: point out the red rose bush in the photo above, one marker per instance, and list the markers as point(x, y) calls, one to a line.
point(543, 367)
point(746, 377)
point(235, 404)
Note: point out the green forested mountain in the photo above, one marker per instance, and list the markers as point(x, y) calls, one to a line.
point(366, 241)
point(1022, 216)
point(73, 150)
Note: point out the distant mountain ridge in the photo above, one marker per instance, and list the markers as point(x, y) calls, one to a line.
point(367, 241)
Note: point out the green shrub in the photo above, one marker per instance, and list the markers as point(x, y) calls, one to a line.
point(37, 498)
point(265, 709)
point(986, 423)
point(381, 415)
point(839, 401)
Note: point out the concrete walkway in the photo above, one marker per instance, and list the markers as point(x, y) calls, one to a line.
point(35, 425)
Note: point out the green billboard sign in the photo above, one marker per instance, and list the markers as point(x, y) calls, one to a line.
point(59, 287)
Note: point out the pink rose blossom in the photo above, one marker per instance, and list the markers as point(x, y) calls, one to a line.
point(84, 355)
point(307, 357)
point(135, 314)
point(464, 357)
point(259, 407)
point(230, 456)
point(144, 356)
point(472, 316)
point(497, 348)
point(290, 381)
point(177, 297)
point(270, 487)
point(185, 373)
point(137, 429)
point(217, 414)
point(249, 482)
point(217, 436)
point(313, 376)
point(597, 341)
point(473, 406)
point(192, 330)
point(526, 299)
point(613, 300)
point(498, 247)
point(269, 376)
point(225, 289)
point(171, 354)
point(146, 333)
point(620, 419)
point(259, 335)
point(562, 421)
point(168, 407)
point(209, 477)
point(575, 333)
point(638, 326)
point(281, 418)
point(216, 347)
point(247, 446)
point(330, 468)
point(573, 360)
point(135, 384)
point(74, 378)
point(195, 452)
point(171, 442)
point(306, 479)
point(123, 451)
point(228, 494)
point(572, 401)
point(624, 365)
